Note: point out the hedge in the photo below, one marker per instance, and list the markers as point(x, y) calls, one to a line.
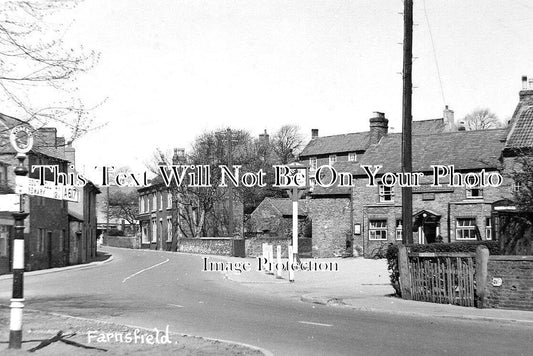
point(466, 246)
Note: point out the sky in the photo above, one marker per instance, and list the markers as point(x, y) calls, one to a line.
point(172, 69)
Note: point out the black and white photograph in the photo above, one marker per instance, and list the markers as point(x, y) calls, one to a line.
point(266, 177)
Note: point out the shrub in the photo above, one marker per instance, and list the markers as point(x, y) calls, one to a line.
point(115, 232)
point(467, 246)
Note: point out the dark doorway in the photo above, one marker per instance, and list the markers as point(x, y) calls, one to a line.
point(49, 247)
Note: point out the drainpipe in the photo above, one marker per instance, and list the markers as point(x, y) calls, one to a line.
point(449, 225)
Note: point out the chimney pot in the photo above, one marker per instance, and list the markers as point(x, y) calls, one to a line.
point(524, 82)
point(379, 127)
point(314, 133)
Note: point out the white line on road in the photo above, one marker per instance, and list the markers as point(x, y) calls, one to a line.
point(176, 305)
point(311, 323)
point(144, 270)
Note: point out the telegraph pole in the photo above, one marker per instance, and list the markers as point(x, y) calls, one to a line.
point(231, 227)
point(407, 159)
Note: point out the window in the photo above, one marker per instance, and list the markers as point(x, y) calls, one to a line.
point(399, 229)
point(146, 204)
point(516, 187)
point(154, 231)
point(160, 235)
point(473, 192)
point(169, 200)
point(140, 204)
point(4, 239)
point(465, 229)
point(352, 157)
point(378, 230)
point(160, 201)
point(386, 194)
point(169, 228)
point(332, 159)
point(154, 202)
point(488, 228)
point(313, 163)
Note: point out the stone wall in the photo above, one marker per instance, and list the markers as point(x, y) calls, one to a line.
point(510, 282)
point(331, 225)
point(123, 241)
point(207, 245)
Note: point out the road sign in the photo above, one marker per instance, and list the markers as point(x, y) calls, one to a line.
point(32, 186)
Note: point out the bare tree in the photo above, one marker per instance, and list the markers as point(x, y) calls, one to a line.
point(287, 142)
point(481, 119)
point(123, 205)
point(36, 62)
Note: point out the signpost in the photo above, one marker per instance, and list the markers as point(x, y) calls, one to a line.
point(297, 180)
point(21, 139)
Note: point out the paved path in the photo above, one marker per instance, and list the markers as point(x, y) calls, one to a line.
point(154, 289)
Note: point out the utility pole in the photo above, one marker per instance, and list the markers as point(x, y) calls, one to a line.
point(107, 217)
point(231, 227)
point(407, 158)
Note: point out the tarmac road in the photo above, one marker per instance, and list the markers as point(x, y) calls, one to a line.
point(156, 289)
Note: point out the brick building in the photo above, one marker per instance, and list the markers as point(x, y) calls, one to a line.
point(165, 212)
point(48, 238)
point(360, 219)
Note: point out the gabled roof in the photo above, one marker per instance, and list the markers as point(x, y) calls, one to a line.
point(521, 132)
point(359, 141)
point(284, 205)
point(466, 150)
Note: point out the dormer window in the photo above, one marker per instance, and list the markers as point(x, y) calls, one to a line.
point(332, 159)
point(352, 157)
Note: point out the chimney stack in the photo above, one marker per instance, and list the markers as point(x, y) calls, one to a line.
point(526, 94)
point(449, 119)
point(314, 133)
point(379, 127)
point(179, 156)
point(264, 137)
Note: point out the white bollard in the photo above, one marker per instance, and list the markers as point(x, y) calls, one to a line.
point(291, 261)
point(265, 253)
point(279, 267)
point(270, 252)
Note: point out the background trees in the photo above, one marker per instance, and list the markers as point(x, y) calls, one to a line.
point(481, 119)
point(38, 68)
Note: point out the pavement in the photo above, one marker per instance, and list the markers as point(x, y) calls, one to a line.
point(363, 284)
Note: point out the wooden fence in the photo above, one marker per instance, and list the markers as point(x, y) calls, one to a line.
point(442, 277)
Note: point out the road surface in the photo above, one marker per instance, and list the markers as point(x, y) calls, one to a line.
point(156, 289)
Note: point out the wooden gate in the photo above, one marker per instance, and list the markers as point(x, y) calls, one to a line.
point(442, 277)
point(239, 248)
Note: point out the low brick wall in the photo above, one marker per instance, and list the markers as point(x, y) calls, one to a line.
point(510, 282)
point(122, 241)
point(207, 245)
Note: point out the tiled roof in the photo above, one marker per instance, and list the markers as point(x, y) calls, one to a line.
point(350, 142)
point(521, 133)
point(425, 127)
point(466, 150)
point(359, 141)
point(284, 205)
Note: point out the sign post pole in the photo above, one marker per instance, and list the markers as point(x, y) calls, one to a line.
point(22, 145)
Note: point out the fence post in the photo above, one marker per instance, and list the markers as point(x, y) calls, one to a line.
point(482, 259)
point(270, 256)
point(403, 267)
